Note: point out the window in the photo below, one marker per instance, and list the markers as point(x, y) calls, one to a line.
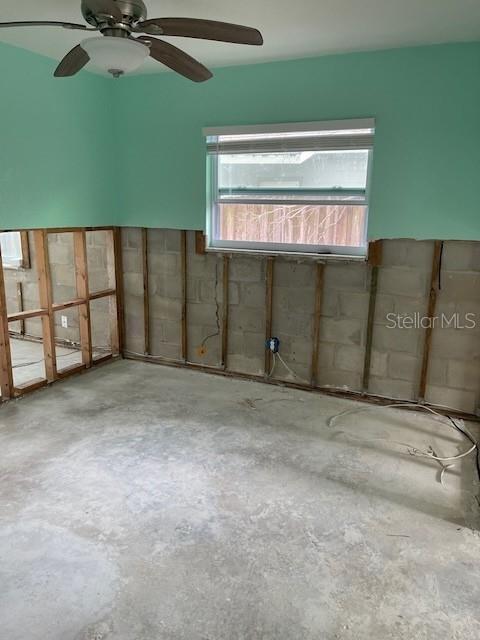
point(295, 188)
point(11, 246)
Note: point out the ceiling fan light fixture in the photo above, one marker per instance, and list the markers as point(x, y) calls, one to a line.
point(116, 55)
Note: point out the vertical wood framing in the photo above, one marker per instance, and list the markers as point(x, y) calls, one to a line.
point(226, 278)
point(183, 248)
point(25, 244)
point(268, 311)
point(374, 260)
point(432, 303)
point(316, 322)
point(200, 243)
point(45, 295)
point(20, 307)
point(81, 277)
point(6, 374)
point(115, 277)
point(146, 297)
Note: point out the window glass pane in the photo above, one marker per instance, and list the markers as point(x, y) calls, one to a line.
point(290, 170)
point(11, 245)
point(340, 225)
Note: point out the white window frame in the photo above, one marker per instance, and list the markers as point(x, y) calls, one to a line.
point(345, 140)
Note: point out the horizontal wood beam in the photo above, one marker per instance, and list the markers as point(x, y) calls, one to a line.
point(25, 315)
point(63, 306)
point(102, 294)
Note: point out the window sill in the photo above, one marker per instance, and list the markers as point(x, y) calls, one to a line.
point(317, 257)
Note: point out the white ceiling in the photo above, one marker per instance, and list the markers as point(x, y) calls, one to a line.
point(291, 28)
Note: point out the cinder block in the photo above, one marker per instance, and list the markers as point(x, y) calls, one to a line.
point(164, 263)
point(246, 319)
point(349, 277)
point(341, 331)
point(330, 303)
point(464, 374)
point(397, 389)
point(354, 305)
point(133, 283)
point(384, 305)
point(453, 398)
point(202, 313)
point(134, 325)
point(461, 285)
point(296, 325)
point(252, 294)
point(60, 254)
point(326, 354)
point(407, 306)
point(404, 366)
point(347, 380)
point(349, 358)
point(408, 253)
point(455, 344)
point(405, 340)
point(461, 256)
point(242, 364)
point(165, 286)
point(245, 269)
point(378, 363)
point(63, 275)
point(233, 293)
point(291, 274)
point(165, 308)
point(132, 261)
point(437, 371)
point(402, 281)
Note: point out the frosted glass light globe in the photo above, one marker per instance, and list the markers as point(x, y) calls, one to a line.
point(116, 55)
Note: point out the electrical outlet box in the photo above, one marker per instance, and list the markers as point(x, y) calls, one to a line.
point(65, 322)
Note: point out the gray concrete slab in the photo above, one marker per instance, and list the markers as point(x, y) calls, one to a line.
point(139, 502)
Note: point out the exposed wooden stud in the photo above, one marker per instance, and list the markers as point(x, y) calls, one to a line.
point(374, 259)
point(183, 248)
point(81, 277)
point(63, 306)
point(45, 295)
point(6, 375)
point(268, 311)
point(316, 322)
point(370, 323)
point(20, 307)
point(200, 243)
point(146, 293)
point(115, 275)
point(375, 249)
point(432, 303)
point(25, 244)
point(226, 278)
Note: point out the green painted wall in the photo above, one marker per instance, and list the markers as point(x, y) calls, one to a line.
point(55, 145)
point(427, 152)
point(92, 151)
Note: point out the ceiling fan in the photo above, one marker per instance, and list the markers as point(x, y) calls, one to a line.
point(117, 51)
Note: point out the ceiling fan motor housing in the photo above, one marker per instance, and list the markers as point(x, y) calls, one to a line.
point(133, 11)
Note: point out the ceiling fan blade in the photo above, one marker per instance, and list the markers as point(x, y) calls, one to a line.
point(204, 29)
point(104, 7)
point(46, 23)
point(75, 60)
point(177, 59)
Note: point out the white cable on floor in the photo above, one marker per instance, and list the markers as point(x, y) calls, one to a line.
point(411, 449)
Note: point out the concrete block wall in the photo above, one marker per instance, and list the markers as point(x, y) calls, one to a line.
point(403, 290)
point(343, 325)
point(247, 315)
point(204, 306)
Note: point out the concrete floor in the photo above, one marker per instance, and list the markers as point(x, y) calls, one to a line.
point(28, 363)
point(139, 502)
